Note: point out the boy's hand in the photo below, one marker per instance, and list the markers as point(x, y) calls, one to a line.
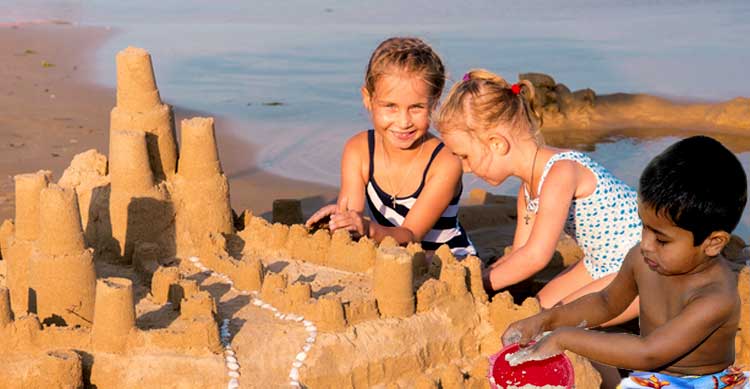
point(523, 331)
point(546, 347)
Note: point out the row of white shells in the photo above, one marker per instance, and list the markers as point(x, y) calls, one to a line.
point(230, 357)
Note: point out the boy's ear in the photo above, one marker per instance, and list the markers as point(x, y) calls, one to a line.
point(498, 143)
point(366, 98)
point(715, 242)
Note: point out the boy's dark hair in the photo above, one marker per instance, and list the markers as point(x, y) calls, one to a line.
point(699, 184)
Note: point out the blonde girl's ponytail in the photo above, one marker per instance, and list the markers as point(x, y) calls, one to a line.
point(483, 99)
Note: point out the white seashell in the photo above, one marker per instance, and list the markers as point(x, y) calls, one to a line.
point(306, 347)
point(225, 321)
point(229, 352)
point(307, 323)
point(297, 364)
point(266, 306)
point(194, 259)
point(274, 309)
point(299, 318)
point(301, 356)
point(233, 366)
point(231, 385)
point(231, 359)
point(294, 374)
point(257, 302)
point(295, 384)
point(244, 293)
point(277, 314)
point(234, 381)
point(234, 374)
point(282, 316)
point(310, 339)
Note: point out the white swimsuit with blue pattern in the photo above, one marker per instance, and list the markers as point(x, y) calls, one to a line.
point(605, 224)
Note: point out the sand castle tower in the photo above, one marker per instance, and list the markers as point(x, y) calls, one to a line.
point(201, 189)
point(27, 230)
point(393, 281)
point(61, 270)
point(140, 107)
point(139, 211)
point(115, 314)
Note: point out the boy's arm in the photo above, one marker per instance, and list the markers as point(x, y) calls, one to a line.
point(666, 344)
point(587, 311)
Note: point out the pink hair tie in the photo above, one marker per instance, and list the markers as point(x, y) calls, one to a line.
point(515, 88)
point(467, 76)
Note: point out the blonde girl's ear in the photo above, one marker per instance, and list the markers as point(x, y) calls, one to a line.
point(498, 144)
point(715, 242)
point(366, 98)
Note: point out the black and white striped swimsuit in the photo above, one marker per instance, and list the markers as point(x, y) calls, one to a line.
point(447, 230)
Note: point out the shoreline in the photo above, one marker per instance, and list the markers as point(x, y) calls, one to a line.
point(51, 110)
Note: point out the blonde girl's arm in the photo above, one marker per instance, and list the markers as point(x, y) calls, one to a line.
point(439, 188)
point(536, 252)
point(521, 235)
point(353, 177)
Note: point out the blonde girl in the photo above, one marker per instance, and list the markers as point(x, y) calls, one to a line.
point(398, 171)
point(493, 128)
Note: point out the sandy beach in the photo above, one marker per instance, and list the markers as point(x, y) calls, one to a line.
point(50, 110)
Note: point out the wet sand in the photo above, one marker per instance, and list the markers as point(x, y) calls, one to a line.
point(51, 110)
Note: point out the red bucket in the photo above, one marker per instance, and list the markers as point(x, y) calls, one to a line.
point(557, 371)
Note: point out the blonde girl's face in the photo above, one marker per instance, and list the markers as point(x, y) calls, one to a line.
point(399, 108)
point(482, 159)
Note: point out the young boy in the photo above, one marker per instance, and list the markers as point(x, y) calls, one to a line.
point(691, 197)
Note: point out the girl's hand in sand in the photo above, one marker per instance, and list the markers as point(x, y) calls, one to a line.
point(524, 331)
point(349, 220)
point(320, 214)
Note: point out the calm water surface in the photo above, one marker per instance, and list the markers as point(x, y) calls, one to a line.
point(235, 58)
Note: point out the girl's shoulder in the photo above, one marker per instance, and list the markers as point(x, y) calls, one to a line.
point(357, 142)
point(444, 160)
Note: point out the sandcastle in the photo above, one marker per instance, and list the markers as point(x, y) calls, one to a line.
point(129, 272)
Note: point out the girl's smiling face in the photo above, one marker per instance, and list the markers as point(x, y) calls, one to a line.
point(400, 108)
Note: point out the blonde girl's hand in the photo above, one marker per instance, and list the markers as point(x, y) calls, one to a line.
point(523, 331)
point(320, 214)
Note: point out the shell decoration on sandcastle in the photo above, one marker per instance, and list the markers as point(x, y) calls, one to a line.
point(99, 262)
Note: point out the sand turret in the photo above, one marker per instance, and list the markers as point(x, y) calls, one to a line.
point(201, 189)
point(69, 299)
point(394, 282)
point(139, 107)
point(27, 229)
point(6, 316)
point(138, 210)
point(114, 316)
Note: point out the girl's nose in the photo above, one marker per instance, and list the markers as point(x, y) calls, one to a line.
point(404, 119)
